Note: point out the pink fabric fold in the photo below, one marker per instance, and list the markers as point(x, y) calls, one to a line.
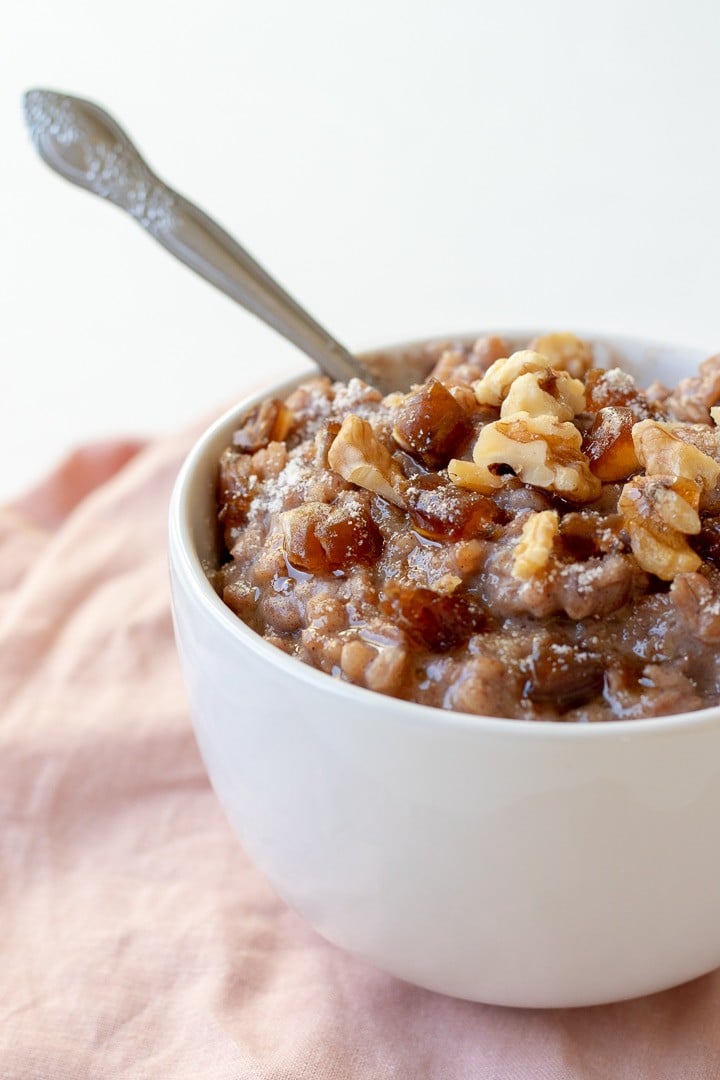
point(136, 938)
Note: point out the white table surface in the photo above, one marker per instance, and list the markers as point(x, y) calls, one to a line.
point(403, 168)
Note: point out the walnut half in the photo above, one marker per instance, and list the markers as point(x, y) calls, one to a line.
point(360, 458)
point(541, 450)
point(659, 513)
point(663, 453)
point(499, 377)
point(545, 393)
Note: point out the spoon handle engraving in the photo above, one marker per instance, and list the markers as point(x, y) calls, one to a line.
point(81, 142)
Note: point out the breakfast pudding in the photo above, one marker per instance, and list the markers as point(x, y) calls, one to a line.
point(524, 534)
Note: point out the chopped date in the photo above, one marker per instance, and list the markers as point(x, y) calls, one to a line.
point(432, 620)
point(301, 544)
point(609, 445)
point(348, 534)
point(430, 424)
point(234, 488)
point(320, 538)
point(563, 676)
point(615, 388)
point(440, 510)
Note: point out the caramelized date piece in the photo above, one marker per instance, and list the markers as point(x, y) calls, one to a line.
point(301, 544)
point(431, 620)
point(440, 510)
point(234, 488)
point(563, 676)
point(268, 422)
point(348, 534)
point(430, 423)
point(608, 445)
point(320, 539)
point(615, 388)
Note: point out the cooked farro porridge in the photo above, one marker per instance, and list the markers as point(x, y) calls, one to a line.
point(523, 535)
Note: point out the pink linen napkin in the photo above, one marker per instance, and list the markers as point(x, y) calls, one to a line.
point(136, 939)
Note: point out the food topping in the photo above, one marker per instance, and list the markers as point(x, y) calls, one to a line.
point(545, 393)
point(663, 453)
point(541, 450)
point(660, 512)
point(358, 455)
point(523, 534)
point(535, 544)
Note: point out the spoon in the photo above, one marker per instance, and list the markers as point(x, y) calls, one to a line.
point(81, 142)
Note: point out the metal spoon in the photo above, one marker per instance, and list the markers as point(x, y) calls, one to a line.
point(84, 144)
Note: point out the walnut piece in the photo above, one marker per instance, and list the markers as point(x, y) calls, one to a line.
point(268, 422)
point(545, 393)
point(663, 453)
point(566, 352)
point(541, 450)
point(693, 398)
point(360, 458)
point(659, 512)
point(499, 377)
point(535, 545)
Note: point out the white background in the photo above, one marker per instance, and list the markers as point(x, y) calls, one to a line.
point(403, 168)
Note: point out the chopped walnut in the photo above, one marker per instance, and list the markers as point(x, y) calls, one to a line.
point(540, 450)
point(460, 366)
point(535, 545)
point(566, 352)
point(659, 513)
point(663, 453)
point(545, 393)
point(694, 397)
point(464, 396)
point(360, 458)
point(499, 377)
point(268, 422)
point(450, 360)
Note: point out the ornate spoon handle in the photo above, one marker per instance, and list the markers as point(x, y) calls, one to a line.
point(84, 144)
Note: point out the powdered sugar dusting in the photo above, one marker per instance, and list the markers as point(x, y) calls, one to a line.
point(275, 495)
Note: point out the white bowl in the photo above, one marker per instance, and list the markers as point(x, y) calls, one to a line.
point(504, 861)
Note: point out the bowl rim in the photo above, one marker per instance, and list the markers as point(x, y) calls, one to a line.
point(186, 561)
